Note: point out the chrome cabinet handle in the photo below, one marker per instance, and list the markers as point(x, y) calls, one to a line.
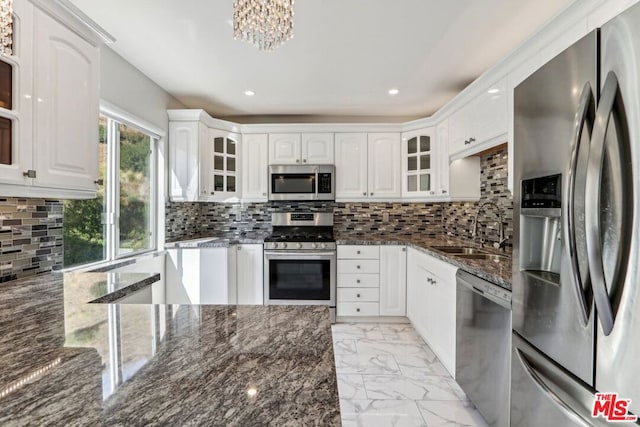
point(585, 116)
point(467, 142)
point(358, 267)
point(372, 194)
point(29, 174)
point(358, 252)
point(607, 107)
point(358, 295)
point(472, 140)
point(444, 191)
point(358, 310)
point(99, 181)
point(297, 160)
point(364, 194)
point(304, 161)
point(358, 281)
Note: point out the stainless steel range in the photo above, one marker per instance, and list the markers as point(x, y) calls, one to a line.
point(300, 260)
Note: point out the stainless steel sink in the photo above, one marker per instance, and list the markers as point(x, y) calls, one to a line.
point(458, 250)
point(483, 256)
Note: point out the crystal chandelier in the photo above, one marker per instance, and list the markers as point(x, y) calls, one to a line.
point(6, 27)
point(264, 23)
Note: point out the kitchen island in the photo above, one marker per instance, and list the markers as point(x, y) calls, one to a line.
point(66, 361)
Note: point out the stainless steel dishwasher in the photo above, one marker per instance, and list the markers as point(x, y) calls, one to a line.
point(483, 346)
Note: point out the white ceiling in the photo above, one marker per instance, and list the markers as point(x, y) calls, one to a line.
point(345, 56)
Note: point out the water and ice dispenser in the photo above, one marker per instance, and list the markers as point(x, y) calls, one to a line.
point(540, 227)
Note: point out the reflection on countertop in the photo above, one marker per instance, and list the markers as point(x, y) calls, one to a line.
point(65, 361)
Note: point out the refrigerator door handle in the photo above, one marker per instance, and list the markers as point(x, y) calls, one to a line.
point(606, 109)
point(584, 116)
point(547, 386)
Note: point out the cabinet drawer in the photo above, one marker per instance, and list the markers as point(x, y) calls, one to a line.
point(358, 309)
point(358, 280)
point(358, 295)
point(358, 266)
point(358, 252)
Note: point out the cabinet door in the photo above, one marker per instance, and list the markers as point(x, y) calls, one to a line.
point(66, 76)
point(249, 274)
point(284, 149)
point(490, 114)
point(393, 280)
point(459, 130)
point(317, 148)
point(442, 157)
point(214, 276)
point(184, 158)
point(16, 123)
point(255, 148)
point(220, 164)
point(419, 163)
point(384, 165)
point(351, 165)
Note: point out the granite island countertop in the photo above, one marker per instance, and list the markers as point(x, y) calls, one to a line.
point(65, 361)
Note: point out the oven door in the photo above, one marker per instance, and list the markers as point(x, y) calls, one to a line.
point(300, 277)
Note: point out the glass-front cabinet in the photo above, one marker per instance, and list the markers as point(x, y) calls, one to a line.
point(221, 169)
point(419, 164)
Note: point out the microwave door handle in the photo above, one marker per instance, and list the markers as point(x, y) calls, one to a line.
point(317, 183)
point(585, 116)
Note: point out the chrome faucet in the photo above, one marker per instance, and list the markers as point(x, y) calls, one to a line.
point(474, 231)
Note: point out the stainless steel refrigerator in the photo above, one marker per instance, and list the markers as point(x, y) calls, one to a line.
point(576, 278)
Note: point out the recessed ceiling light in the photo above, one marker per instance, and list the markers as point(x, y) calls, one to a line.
point(249, 92)
point(393, 91)
point(492, 91)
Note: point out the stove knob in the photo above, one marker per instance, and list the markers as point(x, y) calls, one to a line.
point(314, 245)
point(275, 246)
point(299, 245)
point(284, 245)
point(323, 246)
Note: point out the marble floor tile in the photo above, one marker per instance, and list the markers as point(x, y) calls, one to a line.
point(366, 364)
point(344, 346)
point(396, 387)
point(381, 413)
point(421, 365)
point(347, 331)
point(400, 332)
point(450, 413)
point(351, 387)
point(367, 346)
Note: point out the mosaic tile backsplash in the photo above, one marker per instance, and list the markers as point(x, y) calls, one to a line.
point(191, 220)
point(30, 237)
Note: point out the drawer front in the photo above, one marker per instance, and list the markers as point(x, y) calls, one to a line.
point(351, 266)
point(358, 280)
point(358, 309)
point(358, 295)
point(358, 252)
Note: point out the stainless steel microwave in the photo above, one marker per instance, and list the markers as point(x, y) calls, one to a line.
point(302, 182)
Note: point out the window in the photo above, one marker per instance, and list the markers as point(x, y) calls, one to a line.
point(120, 221)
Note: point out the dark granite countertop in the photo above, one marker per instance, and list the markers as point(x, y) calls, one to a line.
point(498, 272)
point(66, 362)
point(219, 241)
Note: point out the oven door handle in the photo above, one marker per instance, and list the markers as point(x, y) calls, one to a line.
point(316, 181)
point(298, 253)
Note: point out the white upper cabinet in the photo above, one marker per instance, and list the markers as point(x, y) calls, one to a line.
point(480, 124)
point(384, 165)
point(67, 76)
point(255, 159)
point(56, 76)
point(351, 166)
point(296, 149)
point(285, 149)
point(317, 148)
point(420, 164)
point(204, 163)
point(220, 168)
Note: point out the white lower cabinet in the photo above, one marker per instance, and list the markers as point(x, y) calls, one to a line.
point(201, 276)
point(393, 281)
point(431, 304)
point(371, 280)
point(249, 267)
